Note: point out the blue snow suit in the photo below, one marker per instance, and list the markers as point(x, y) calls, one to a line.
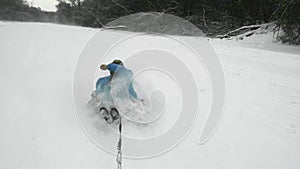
point(115, 68)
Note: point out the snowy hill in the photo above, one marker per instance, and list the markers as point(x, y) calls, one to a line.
point(39, 127)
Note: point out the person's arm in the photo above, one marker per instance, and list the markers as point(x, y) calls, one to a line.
point(99, 86)
point(101, 82)
point(132, 91)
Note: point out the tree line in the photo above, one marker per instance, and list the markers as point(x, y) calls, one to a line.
point(213, 17)
point(20, 10)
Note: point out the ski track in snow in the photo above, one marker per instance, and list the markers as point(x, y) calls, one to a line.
point(39, 128)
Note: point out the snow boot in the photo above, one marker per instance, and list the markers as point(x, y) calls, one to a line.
point(114, 113)
point(106, 115)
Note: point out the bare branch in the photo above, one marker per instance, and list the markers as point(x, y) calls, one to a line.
point(203, 17)
point(120, 5)
point(286, 8)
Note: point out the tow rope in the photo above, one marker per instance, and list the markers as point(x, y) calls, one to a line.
point(114, 117)
point(119, 147)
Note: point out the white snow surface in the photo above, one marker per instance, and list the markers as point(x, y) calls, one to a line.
point(39, 128)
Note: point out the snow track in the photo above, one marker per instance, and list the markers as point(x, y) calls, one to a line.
point(39, 129)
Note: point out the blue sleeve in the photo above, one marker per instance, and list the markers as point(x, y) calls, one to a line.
point(101, 82)
point(98, 82)
point(131, 91)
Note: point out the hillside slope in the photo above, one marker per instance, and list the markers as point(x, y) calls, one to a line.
point(39, 128)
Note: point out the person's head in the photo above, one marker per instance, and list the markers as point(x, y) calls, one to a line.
point(118, 62)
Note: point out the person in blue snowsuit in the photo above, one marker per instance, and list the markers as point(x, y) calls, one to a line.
point(116, 66)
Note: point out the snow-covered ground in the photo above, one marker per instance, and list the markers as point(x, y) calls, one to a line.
point(39, 127)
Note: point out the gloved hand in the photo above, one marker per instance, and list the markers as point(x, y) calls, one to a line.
point(103, 67)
